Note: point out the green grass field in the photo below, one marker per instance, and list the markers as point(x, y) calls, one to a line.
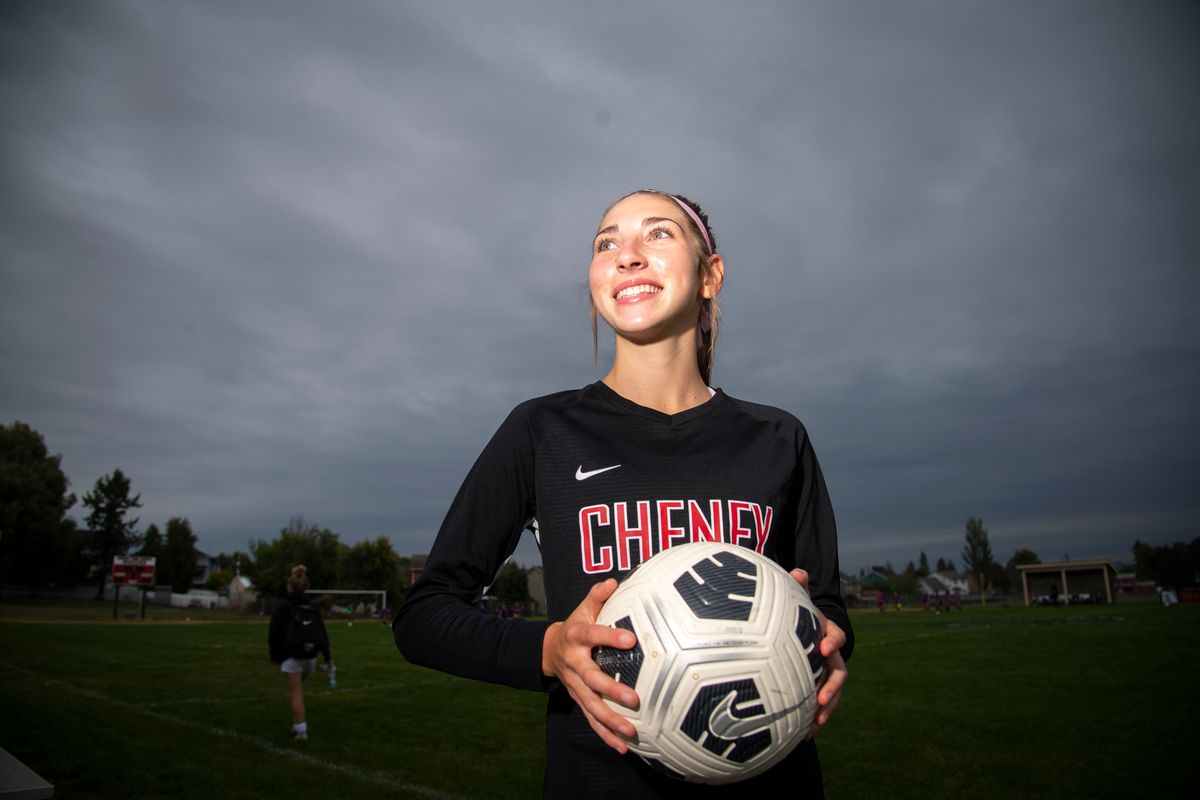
point(1083, 702)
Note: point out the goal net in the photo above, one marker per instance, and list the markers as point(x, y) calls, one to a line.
point(354, 603)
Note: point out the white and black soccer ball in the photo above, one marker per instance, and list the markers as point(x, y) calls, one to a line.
point(727, 663)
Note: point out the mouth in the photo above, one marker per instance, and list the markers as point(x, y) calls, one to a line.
point(636, 290)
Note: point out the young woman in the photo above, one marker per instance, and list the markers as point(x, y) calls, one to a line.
point(574, 466)
point(294, 664)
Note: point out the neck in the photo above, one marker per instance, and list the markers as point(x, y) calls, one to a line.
point(663, 375)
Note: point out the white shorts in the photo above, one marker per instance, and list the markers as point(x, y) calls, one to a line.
point(304, 666)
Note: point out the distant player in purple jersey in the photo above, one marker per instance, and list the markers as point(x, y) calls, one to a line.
point(607, 476)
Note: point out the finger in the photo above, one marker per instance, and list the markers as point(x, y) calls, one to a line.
point(596, 596)
point(601, 713)
point(801, 577)
point(835, 678)
point(606, 735)
point(826, 711)
point(604, 686)
point(593, 635)
point(833, 638)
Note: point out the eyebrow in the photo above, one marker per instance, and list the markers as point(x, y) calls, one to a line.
point(648, 221)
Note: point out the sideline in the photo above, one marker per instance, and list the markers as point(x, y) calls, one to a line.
point(363, 776)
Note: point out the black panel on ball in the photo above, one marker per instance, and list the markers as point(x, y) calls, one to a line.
point(622, 666)
point(722, 578)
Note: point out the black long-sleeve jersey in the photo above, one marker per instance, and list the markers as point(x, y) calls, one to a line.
point(606, 484)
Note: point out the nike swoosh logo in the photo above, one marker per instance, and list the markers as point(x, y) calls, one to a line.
point(724, 725)
point(580, 475)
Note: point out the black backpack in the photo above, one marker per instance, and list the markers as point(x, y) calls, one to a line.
point(304, 632)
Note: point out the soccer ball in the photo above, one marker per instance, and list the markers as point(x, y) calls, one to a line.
point(727, 663)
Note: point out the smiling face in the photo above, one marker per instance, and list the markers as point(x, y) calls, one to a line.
point(645, 278)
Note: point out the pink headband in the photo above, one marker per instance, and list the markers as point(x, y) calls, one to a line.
point(696, 219)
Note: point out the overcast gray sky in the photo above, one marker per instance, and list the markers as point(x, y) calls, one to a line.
point(278, 258)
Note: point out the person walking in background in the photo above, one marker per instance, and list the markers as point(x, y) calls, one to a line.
point(296, 635)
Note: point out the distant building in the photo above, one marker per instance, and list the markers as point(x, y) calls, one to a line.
point(1084, 581)
point(876, 577)
point(851, 587)
point(416, 568)
point(1128, 583)
point(205, 564)
point(241, 592)
point(944, 582)
point(537, 590)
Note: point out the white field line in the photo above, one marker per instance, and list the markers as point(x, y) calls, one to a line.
point(363, 776)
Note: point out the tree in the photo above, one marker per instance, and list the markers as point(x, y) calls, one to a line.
point(177, 564)
point(112, 533)
point(298, 543)
point(152, 543)
point(235, 563)
point(906, 583)
point(73, 561)
point(34, 536)
point(923, 565)
point(218, 579)
point(1021, 556)
point(1143, 559)
point(511, 584)
point(1171, 566)
point(977, 556)
point(372, 564)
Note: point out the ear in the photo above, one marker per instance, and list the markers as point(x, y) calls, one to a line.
point(713, 277)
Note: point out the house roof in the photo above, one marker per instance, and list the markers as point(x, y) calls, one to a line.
point(1082, 565)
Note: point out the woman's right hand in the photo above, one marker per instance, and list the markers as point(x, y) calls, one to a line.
point(567, 656)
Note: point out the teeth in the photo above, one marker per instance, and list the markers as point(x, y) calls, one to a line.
point(641, 288)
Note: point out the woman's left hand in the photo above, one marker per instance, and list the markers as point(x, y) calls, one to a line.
point(832, 640)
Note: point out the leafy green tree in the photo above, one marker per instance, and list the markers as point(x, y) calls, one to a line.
point(235, 563)
point(34, 538)
point(177, 564)
point(152, 543)
point(1143, 560)
point(112, 533)
point(998, 578)
point(218, 579)
point(299, 543)
point(1020, 556)
point(1171, 566)
point(906, 582)
point(511, 584)
point(372, 564)
point(73, 561)
point(923, 565)
point(977, 556)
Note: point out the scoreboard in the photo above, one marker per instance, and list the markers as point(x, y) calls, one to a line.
point(133, 570)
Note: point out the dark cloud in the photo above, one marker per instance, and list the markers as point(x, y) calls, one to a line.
point(275, 259)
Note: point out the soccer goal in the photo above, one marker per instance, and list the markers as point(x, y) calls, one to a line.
point(354, 602)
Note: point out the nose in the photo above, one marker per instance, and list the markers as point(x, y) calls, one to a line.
point(631, 256)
